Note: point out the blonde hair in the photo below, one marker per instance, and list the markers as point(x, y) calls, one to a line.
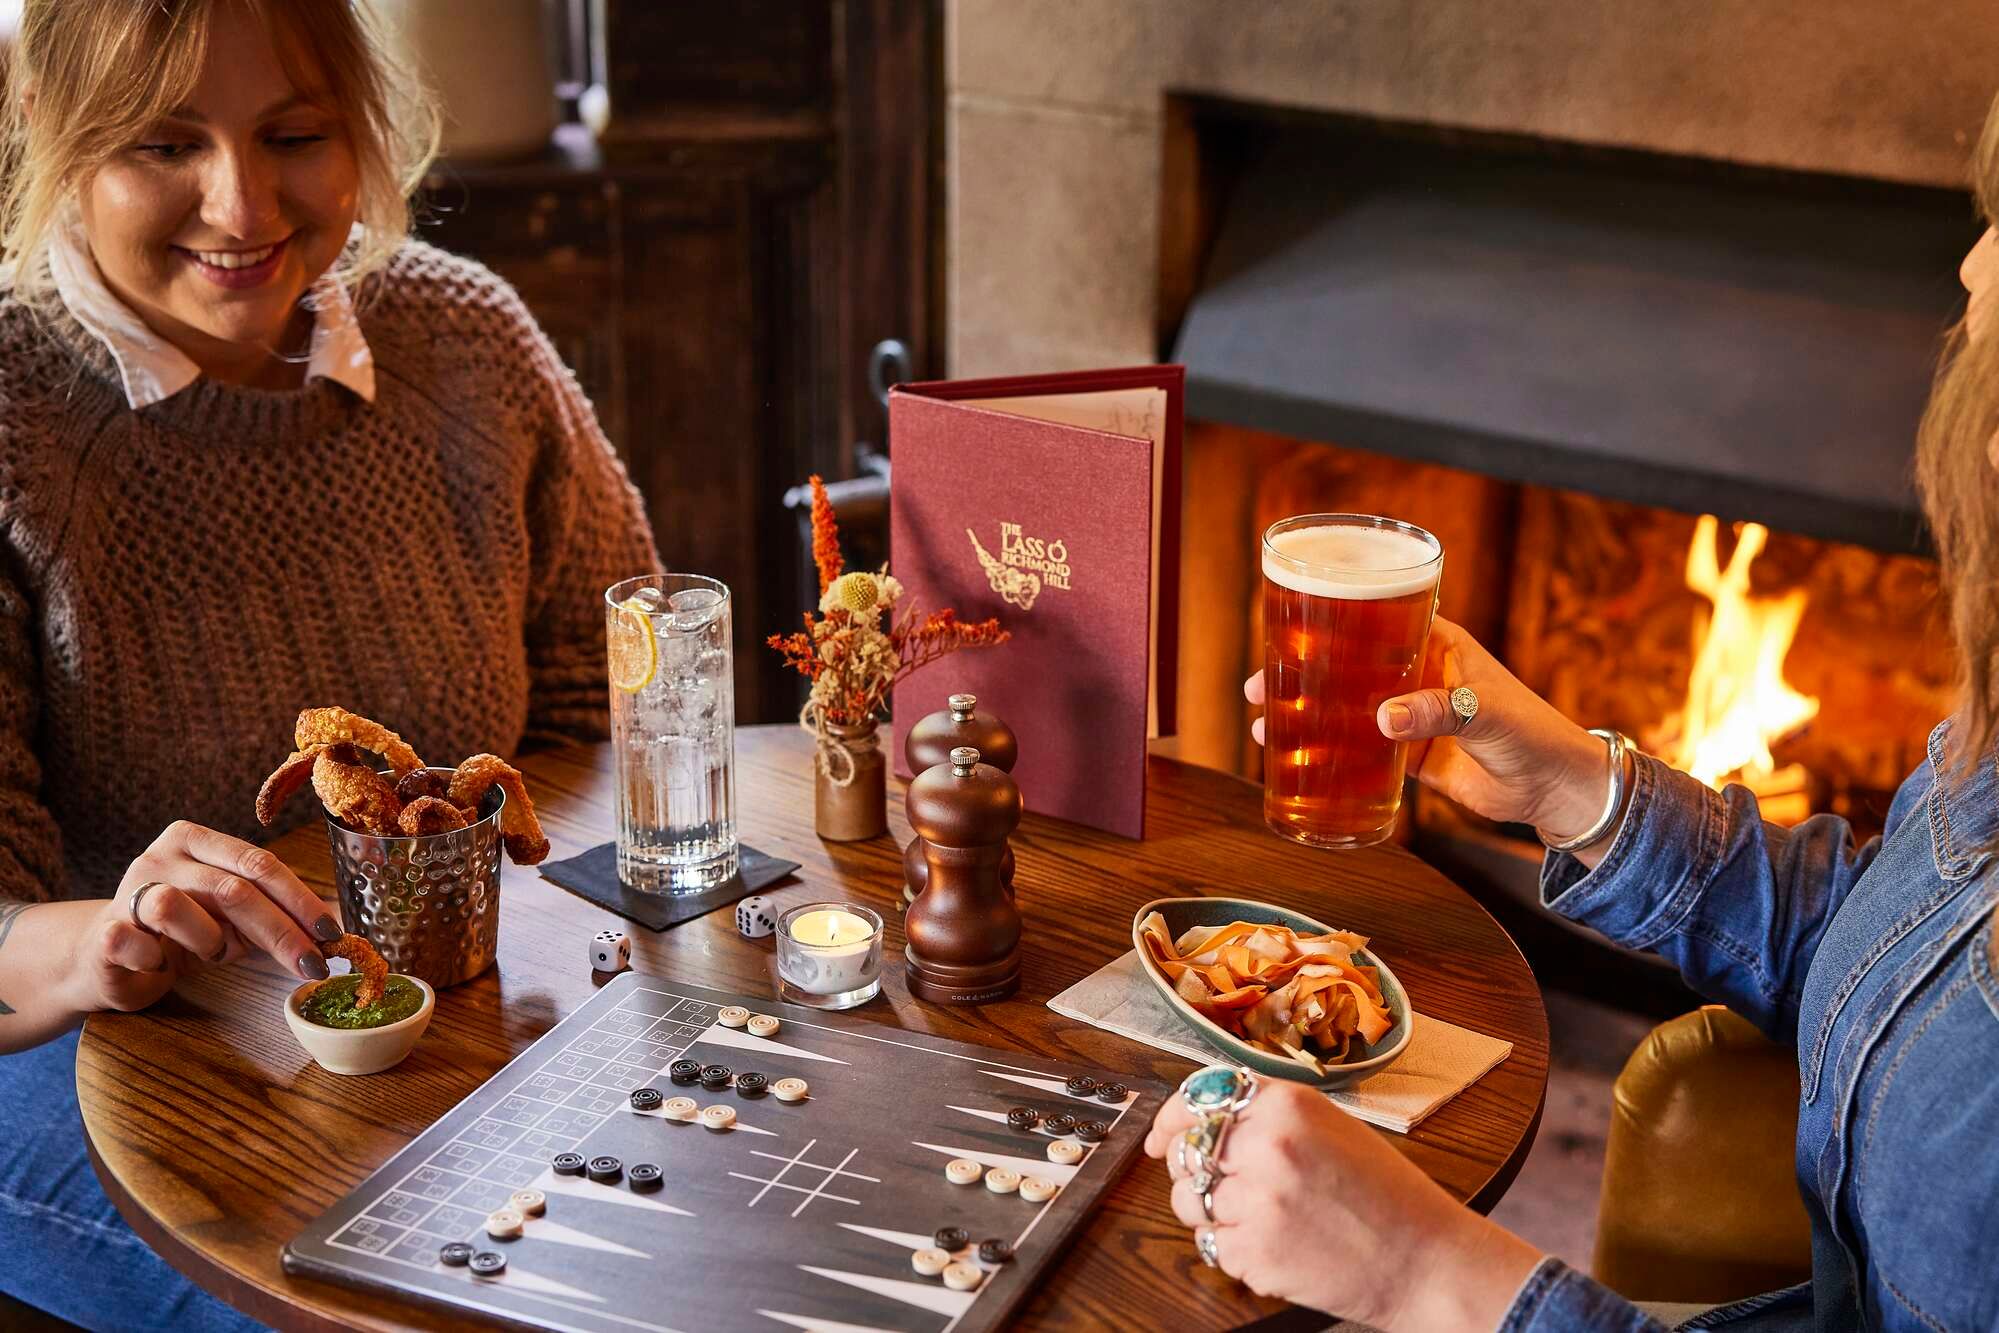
point(1957, 473)
point(103, 72)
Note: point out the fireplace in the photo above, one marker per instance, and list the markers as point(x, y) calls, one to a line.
point(1659, 410)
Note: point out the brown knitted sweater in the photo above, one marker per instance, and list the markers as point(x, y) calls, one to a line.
point(177, 582)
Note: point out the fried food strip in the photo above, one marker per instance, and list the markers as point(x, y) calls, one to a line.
point(520, 831)
point(422, 782)
point(331, 726)
point(430, 814)
point(292, 774)
point(354, 793)
point(374, 971)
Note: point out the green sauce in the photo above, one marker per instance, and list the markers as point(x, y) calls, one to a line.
point(331, 1004)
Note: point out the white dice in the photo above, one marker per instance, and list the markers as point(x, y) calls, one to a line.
point(610, 951)
point(755, 917)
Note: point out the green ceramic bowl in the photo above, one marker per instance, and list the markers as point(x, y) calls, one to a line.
point(1183, 914)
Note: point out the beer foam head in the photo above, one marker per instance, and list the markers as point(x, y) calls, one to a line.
point(1354, 562)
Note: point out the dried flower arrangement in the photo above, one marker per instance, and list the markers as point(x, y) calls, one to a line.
point(859, 645)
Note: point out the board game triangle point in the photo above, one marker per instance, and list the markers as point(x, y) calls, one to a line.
point(743, 1041)
point(941, 1299)
point(814, 1324)
point(908, 1240)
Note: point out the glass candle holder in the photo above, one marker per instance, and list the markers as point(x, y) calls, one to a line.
point(829, 955)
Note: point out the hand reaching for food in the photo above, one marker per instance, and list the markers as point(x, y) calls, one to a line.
point(197, 897)
point(413, 800)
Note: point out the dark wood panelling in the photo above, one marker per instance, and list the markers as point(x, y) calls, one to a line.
point(759, 56)
point(758, 215)
point(889, 190)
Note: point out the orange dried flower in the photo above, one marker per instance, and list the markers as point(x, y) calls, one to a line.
point(825, 537)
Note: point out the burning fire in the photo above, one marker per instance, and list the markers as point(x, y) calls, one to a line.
point(1737, 700)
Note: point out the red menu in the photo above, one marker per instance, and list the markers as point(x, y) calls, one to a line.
point(1052, 502)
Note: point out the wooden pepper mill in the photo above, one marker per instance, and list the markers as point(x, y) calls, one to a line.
point(963, 929)
point(928, 744)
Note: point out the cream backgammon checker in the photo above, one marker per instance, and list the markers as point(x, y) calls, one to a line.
point(693, 1175)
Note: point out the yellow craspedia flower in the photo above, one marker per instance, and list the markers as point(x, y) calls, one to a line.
point(856, 592)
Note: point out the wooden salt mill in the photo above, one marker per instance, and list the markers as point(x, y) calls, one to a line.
point(928, 744)
point(963, 929)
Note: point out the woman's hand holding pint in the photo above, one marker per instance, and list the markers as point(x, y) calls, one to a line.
point(1519, 760)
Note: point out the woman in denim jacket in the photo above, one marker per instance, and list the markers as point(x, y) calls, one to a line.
point(1877, 963)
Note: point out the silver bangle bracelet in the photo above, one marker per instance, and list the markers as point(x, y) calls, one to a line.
point(1615, 749)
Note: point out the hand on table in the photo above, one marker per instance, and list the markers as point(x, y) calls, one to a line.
point(215, 899)
point(1518, 761)
point(1316, 1208)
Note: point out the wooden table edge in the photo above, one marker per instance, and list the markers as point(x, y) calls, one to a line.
point(275, 1308)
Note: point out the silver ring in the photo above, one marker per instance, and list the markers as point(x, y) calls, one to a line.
point(1464, 703)
point(1208, 1205)
point(1202, 1174)
point(139, 896)
point(1205, 1246)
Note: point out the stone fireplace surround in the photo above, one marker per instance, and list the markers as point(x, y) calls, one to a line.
point(1055, 111)
point(1057, 120)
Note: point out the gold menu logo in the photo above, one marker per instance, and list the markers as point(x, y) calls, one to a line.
point(1024, 566)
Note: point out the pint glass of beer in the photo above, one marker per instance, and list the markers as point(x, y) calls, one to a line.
point(1347, 602)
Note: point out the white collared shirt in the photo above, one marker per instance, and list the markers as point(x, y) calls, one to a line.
point(153, 369)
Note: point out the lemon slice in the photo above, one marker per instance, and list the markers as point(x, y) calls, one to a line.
point(633, 651)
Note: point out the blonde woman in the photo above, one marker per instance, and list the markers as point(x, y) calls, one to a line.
point(1879, 963)
point(258, 450)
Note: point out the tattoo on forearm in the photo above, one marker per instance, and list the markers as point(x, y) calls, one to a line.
point(9, 914)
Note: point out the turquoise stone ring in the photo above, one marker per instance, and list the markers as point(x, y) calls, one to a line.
point(1217, 1090)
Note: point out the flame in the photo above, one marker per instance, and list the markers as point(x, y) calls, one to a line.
point(1737, 700)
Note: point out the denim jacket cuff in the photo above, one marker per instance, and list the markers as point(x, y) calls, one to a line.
point(1660, 860)
point(1557, 1299)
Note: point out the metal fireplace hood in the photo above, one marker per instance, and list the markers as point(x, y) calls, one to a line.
point(1695, 337)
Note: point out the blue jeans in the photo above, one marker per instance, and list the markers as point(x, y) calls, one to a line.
point(63, 1247)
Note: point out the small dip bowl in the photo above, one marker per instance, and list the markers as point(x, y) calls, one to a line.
point(1183, 914)
point(358, 1050)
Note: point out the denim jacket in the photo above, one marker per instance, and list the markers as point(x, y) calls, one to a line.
point(1877, 963)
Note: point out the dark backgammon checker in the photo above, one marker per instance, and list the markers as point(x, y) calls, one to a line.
point(804, 1214)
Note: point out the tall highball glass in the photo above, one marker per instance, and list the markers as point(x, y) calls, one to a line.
point(1347, 604)
point(673, 730)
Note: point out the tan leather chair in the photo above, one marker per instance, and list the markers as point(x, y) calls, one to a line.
point(1700, 1195)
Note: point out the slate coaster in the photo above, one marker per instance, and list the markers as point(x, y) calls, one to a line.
point(594, 875)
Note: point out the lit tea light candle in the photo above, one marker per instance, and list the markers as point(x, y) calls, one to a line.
point(825, 926)
point(829, 955)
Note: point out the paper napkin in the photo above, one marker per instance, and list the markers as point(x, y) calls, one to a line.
point(1442, 1059)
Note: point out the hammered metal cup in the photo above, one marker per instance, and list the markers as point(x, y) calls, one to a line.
point(429, 905)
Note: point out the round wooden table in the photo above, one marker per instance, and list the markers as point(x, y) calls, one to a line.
point(219, 1140)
